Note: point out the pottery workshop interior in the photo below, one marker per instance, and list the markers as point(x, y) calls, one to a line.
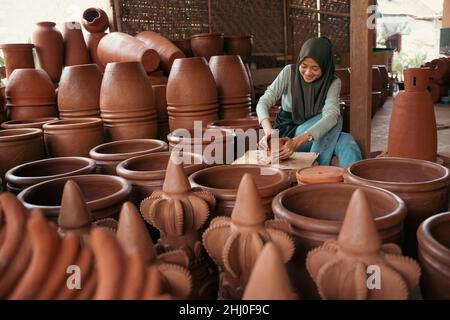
point(225, 150)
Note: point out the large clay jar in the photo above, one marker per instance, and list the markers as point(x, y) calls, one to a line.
point(313, 221)
point(239, 45)
point(76, 51)
point(207, 44)
point(19, 146)
point(17, 56)
point(104, 195)
point(109, 155)
point(223, 182)
point(21, 124)
point(121, 47)
point(165, 48)
point(31, 173)
point(434, 257)
point(73, 137)
point(79, 92)
point(95, 20)
point(49, 45)
point(159, 92)
point(412, 130)
point(92, 41)
point(421, 184)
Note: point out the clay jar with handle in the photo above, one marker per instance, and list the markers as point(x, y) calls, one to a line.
point(239, 45)
point(412, 129)
point(75, 51)
point(207, 44)
point(73, 137)
point(79, 92)
point(95, 20)
point(320, 174)
point(17, 56)
point(421, 184)
point(31, 173)
point(434, 257)
point(109, 155)
point(37, 123)
point(49, 45)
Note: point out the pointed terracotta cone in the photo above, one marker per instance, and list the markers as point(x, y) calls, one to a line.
point(359, 234)
point(132, 233)
point(74, 213)
point(248, 209)
point(269, 279)
point(176, 180)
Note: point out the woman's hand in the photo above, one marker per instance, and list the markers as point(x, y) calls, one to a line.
point(288, 146)
point(265, 141)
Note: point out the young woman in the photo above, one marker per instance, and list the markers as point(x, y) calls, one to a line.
point(310, 115)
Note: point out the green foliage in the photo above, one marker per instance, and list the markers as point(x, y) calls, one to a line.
point(402, 61)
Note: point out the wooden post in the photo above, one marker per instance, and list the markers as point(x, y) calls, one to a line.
point(446, 14)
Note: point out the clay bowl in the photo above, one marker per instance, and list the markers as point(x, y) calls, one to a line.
point(29, 123)
point(223, 182)
point(231, 76)
point(30, 87)
point(31, 173)
point(319, 174)
point(109, 155)
point(421, 184)
point(434, 257)
point(207, 44)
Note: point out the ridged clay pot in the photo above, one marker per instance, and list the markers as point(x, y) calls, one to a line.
point(21, 124)
point(17, 56)
point(239, 45)
point(95, 20)
point(207, 44)
point(76, 51)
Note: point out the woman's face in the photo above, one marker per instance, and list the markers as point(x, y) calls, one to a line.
point(310, 70)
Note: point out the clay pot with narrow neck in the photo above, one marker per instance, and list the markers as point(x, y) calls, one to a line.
point(76, 51)
point(207, 44)
point(320, 174)
point(17, 56)
point(21, 124)
point(31, 173)
point(95, 20)
point(412, 129)
point(239, 45)
point(421, 184)
point(92, 41)
point(49, 45)
point(434, 257)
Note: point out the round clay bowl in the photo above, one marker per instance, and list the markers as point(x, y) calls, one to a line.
point(207, 44)
point(31, 173)
point(104, 195)
point(320, 174)
point(239, 45)
point(30, 87)
point(231, 77)
point(29, 123)
point(434, 257)
point(95, 20)
point(109, 155)
point(223, 182)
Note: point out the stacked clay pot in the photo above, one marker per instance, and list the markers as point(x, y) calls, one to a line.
point(159, 92)
point(79, 92)
point(17, 56)
point(37, 123)
point(207, 44)
point(30, 94)
point(95, 21)
point(191, 94)
point(239, 45)
point(233, 86)
point(127, 103)
point(76, 51)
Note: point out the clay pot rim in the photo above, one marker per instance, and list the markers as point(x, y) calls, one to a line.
point(21, 134)
point(207, 35)
point(96, 155)
point(159, 85)
point(17, 46)
point(115, 65)
point(428, 243)
point(24, 103)
point(337, 178)
point(81, 66)
point(333, 226)
point(78, 123)
point(91, 9)
point(250, 120)
point(176, 139)
point(402, 186)
point(190, 59)
point(11, 124)
point(46, 24)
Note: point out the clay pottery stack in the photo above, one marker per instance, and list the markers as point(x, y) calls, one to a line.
point(49, 44)
point(320, 174)
point(185, 46)
point(434, 257)
point(159, 92)
point(223, 182)
point(421, 184)
point(95, 20)
point(79, 92)
point(72, 137)
point(313, 221)
point(17, 56)
point(109, 155)
point(191, 94)
point(18, 146)
point(37, 123)
point(31, 173)
point(412, 129)
point(126, 102)
point(121, 47)
point(30, 94)
point(207, 44)
point(233, 86)
point(239, 45)
point(76, 51)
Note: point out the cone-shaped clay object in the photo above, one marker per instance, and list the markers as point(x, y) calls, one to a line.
point(269, 279)
point(357, 266)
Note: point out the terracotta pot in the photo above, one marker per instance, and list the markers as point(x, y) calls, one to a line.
point(17, 56)
point(29, 87)
point(49, 45)
point(223, 182)
point(344, 75)
point(239, 45)
point(145, 128)
point(121, 47)
point(146, 173)
point(435, 91)
point(185, 46)
point(438, 68)
point(412, 130)
point(421, 184)
point(74, 137)
point(32, 123)
point(79, 92)
point(207, 44)
point(19, 146)
point(320, 174)
point(76, 51)
point(92, 41)
point(95, 20)
point(104, 195)
point(187, 121)
point(31, 112)
point(159, 93)
point(229, 114)
point(434, 257)
point(109, 155)
point(313, 221)
point(31, 173)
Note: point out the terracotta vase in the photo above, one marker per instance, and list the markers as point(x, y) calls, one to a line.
point(21, 124)
point(185, 46)
point(75, 52)
point(79, 92)
point(31, 173)
point(434, 257)
point(95, 20)
point(92, 41)
point(121, 47)
point(207, 44)
point(239, 45)
point(412, 130)
point(109, 155)
point(421, 184)
point(49, 45)
point(313, 221)
point(320, 174)
point(17, 56)
point(159, 93)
